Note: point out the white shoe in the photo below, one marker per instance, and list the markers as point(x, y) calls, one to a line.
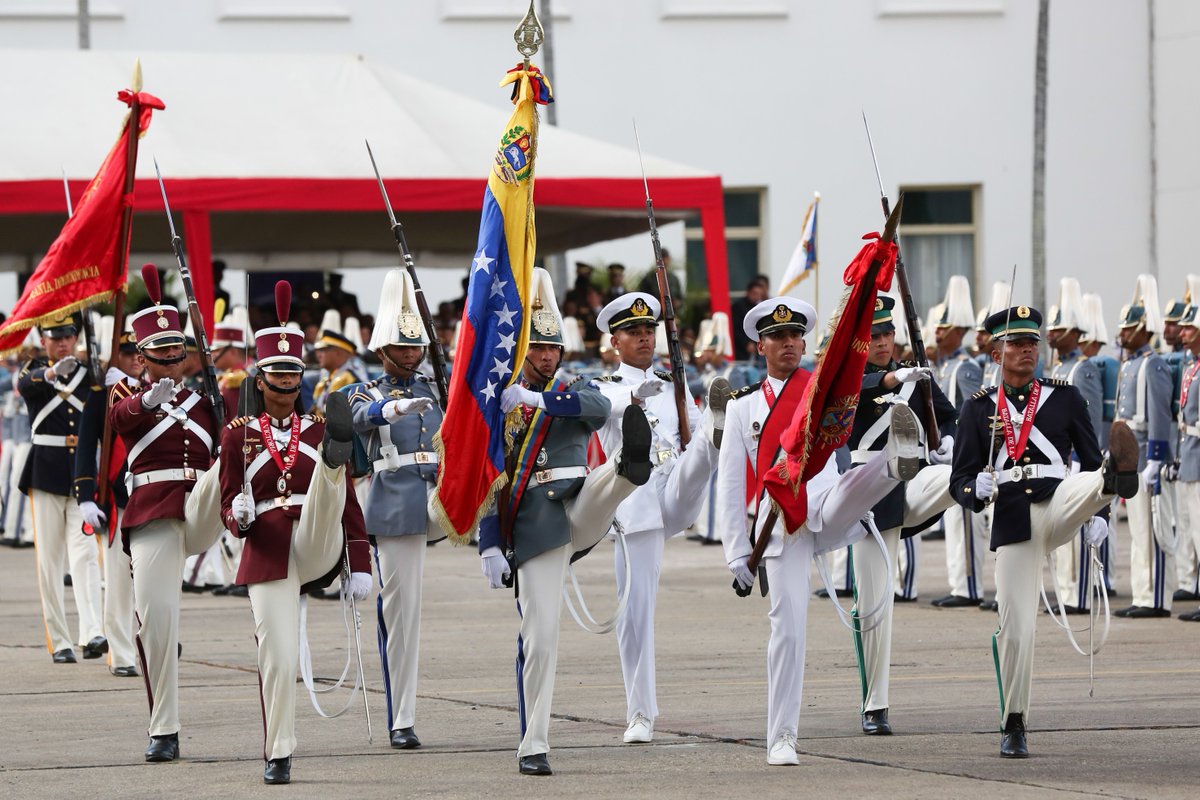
point(904, 444)
point(783, 752)
point(640, 730)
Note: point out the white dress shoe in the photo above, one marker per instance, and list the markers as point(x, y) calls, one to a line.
point(640, 730)
point(783, 752)
point(904, 444)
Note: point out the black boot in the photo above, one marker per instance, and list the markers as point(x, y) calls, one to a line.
point(635, 464)
point(1012, 741)
point(163, 748)
point(278, 770)
point(875, 723)
point(1120, 466)
point(338, 443)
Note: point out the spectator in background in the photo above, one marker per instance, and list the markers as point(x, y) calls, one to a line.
point(616, 282)
point(343, 301)
point(218, 277)
point(756, 291)
point(649, 282)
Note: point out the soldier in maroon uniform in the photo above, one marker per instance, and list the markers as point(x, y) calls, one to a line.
point(284, 492)
point(169, 433)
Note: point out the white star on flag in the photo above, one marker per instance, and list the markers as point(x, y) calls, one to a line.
point(489, 391)
point(482, 262)
point(498, 287)
point(507, 342)
point(500, 367)
point(505, 316)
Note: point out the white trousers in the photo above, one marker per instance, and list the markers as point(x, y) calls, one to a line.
point(59, 538)
point(157, 554)
point(1187, 557)
point(925, 496)
point(540, 605)
point(18, 519)
point(118, 600)
point(1152, 572)
point(400, 561)
point(840, 570)
point(317, 544)
point(966, 546)
point(1018, 579)
point(680, 494)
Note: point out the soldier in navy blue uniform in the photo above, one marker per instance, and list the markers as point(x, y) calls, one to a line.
point(1144, 401)
point(907, 509)
point(397, 415)
point(1032, 432)
point(1063, 330)
point(555, 509)
point(56, 389)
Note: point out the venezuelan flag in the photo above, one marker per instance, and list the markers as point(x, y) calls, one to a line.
point(493, 336)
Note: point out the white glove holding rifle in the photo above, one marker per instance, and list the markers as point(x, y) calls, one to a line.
point(985, 485)
point(741, 572)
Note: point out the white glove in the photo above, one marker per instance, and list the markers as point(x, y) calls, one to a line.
point(912, 374)
point(360, 585)
point(944, 453)
point(93, 516)
point(1095, 531)
point(985, 485)
point(494, 566)
point(648, 388)
point(243, 510)
point(742, 573)
point(1150, 473)
point(516, 395)
point(395, 409)
point(158, 393)
point(65, 366)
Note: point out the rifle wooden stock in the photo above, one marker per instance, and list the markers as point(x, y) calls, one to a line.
point(673, 349)
point(437, 358)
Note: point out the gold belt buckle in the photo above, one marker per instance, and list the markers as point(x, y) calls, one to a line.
point(422, 457)
point(284, 502)
point(189, 473)
point(542, 476)
point(71, 440)
point(1017, 474)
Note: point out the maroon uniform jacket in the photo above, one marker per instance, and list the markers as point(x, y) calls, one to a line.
point(268, 540)
point(156, 440)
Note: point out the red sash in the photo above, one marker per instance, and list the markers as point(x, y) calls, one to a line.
point(1012, 442)
point(285, 461)
point(793, 505)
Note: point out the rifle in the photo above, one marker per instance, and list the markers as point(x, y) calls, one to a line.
point(911, 319)
point(668, 311)
point(437, 358)
point(207, 369)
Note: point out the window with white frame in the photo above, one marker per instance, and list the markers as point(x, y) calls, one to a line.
point(939, 237)
point(744, 213)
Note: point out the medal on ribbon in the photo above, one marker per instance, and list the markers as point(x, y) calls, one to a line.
point(287, 459)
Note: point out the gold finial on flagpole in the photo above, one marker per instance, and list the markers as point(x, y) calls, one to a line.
point(529, 35)
point(136, 84)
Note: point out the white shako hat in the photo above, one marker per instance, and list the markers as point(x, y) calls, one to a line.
point(1095, 329)
point(1145, 309)
point(1069, 313)
point(957, 308)
point(704, 337)
point(397, 320)
point(331, 333)
point(230, 331)
point(777, 314)
point(352, 330)
point(631, 308)
point(545, 320)
point(1191, 311)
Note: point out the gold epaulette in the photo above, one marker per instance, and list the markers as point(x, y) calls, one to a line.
point(341, 381)
point(315, 416)
point(984, 392)
point(745, 390)
point(609, 378)
point(237, 422)
point(233, 378)
point(663, 375)
point(1054, 382)
point(119, 391)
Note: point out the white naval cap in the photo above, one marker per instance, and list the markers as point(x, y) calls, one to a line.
point(777, 314)
point(631, 308)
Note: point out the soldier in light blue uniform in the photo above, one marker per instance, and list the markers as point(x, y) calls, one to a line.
point(397, 416)
point(959, 377)
point(1144, 402)
point(1063, 330)
point(555, 509)
point(1188, 484)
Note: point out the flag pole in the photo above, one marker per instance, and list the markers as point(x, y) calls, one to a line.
point(134, 123)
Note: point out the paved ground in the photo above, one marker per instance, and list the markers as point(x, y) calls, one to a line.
point(75, 730)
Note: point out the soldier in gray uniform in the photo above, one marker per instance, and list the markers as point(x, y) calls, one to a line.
point(397, 416)
point(959, 377)
point(1187, 486)
point(18, 439)
point(1063, 329)
point(1144, 402)
point(555, 509)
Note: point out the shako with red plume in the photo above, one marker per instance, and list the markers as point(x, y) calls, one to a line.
point(158, 325)
point(280, 348)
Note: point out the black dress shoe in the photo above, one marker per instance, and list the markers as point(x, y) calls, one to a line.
point(989, 605)
point(1070, 610)
point(1119, 469)
point(65, 656)
point(67, 580)
point(636, 438)
point(405, 739)
point(125, 672)
point(902, 599)
point(279, 770)
point(719, 394)
point(954, 601)
point(1143, 612)
point(163, 748)
point(97, 647)
point(1012, 741)
point(1185, 596)
point(221, 591)
point(338, 443)
point(875, 723)
point(537, 764)
point(1191, 616)
point(191, 588)
point(239, 590)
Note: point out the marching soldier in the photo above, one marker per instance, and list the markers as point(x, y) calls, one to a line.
point(1188, 482)
point(556, 509)
point(960, 377)
point(55, 389)
point(169, 433)
point(397, 417)
point(1063, 331)
point(905, 511)
point(18, 439)
point(122, 378)
point(336, 355)
point(285, 492)
point(668, 503)
point(835, 506)
point(1091, 343)
point(1144, 402)
point(1031, 433)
